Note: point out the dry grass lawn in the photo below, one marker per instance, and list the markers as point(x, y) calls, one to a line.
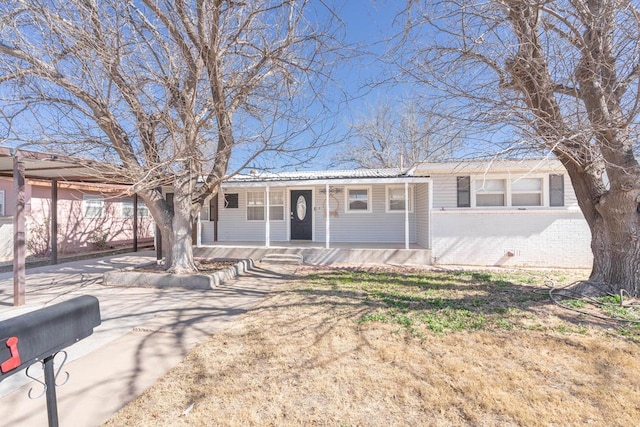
point(409, 347)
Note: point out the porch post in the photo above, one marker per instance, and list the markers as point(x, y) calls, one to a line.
point(406, 215)
point(327, 228)
point(429, 216)
point(135, 222)
point(53, 222)
point(267, 228)
point(199, 231)
point(19, 275)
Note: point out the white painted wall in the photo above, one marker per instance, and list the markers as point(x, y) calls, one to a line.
point(543, 238)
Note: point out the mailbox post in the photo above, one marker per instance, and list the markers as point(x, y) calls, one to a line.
point(38, 336)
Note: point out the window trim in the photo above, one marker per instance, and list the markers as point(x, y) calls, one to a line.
point(369, 199)
point(540, 192)
point(508, 191)
point(505, 192)
point(263, 194)
point(86, 198)
point(388, 188)
point(283, 205)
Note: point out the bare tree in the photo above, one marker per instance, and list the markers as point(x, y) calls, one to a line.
point(398, 135)
point(564, 77)
point(165, 90)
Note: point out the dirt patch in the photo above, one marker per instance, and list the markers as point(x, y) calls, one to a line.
point(395, 347)
point(203, 266)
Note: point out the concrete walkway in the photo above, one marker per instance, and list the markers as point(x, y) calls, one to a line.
point(144, 333)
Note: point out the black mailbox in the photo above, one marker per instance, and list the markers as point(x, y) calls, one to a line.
point(40, 334)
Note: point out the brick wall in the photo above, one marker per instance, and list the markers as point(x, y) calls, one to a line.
point(545, 238)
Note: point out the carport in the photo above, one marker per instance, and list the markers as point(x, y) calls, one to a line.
point(22, 165)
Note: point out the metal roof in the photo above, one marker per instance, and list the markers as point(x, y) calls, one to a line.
point(54, 166)
point(318, 175)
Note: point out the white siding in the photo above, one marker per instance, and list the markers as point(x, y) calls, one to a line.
point(422, 215)
point(374, 226)
point(445, 192)
point(570, 199)
point(207, 232)
point(234, 227)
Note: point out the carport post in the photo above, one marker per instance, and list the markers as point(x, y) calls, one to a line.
point(19, 276)
point(135, 222)
point(54, 221)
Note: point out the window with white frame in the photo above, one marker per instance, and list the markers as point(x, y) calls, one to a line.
point(276, 206)
point(255, 205)
point(395, 199)
point(526, 192)
point(127, 209)
point(92, 206)
point(490, 192)
point(2, 203)
point(205, 212)
point(358, 199)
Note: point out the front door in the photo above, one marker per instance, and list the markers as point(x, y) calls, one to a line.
point(300, 214)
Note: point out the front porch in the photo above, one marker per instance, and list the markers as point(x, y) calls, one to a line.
point(315, 253)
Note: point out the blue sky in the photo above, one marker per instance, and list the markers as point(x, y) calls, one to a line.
point(368, 25)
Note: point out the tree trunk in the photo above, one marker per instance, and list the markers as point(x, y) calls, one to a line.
point(615, 244)
point(614, 221)
point(181, 241)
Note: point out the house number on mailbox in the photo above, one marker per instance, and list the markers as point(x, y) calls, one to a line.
point(301, 208)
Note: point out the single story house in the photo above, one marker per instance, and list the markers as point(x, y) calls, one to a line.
point(503, 212)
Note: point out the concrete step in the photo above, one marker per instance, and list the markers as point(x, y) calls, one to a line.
point(283, 259)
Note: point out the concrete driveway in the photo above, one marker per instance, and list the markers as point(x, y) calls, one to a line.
point(144, 333)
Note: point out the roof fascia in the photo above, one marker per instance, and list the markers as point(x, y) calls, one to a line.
point(309, 182)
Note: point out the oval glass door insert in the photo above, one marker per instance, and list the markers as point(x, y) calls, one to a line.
point(301, 208)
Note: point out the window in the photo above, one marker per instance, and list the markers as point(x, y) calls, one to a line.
point(276, 206)
point(556, 190)
point(490, 192)
point(464, 191)
point(92, 206)
point(526, 192)
point(358, 200)
point(127, 209)
point(231, 201)
point(204, 213)
point(2, 204)
point(395, 199)
point(255, 206)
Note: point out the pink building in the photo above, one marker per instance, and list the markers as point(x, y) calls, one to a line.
point(89, 217)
